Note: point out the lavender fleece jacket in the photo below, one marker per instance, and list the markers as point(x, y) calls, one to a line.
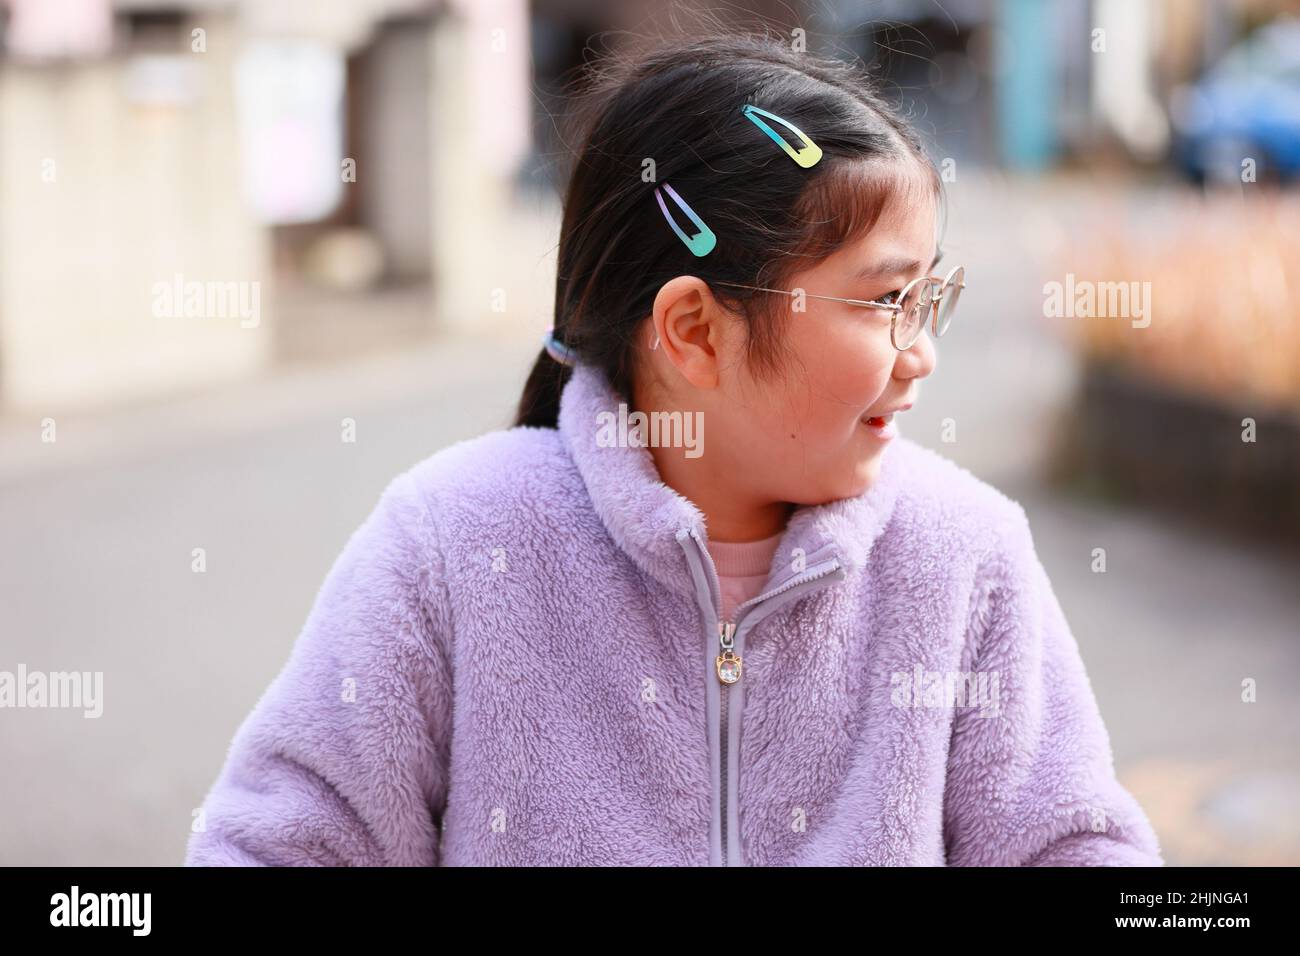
point(513, 662)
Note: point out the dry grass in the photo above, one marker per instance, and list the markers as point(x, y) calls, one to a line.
point(1225, 299)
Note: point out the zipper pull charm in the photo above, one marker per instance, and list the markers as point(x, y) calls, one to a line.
point(728, 663)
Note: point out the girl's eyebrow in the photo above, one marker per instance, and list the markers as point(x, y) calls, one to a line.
point(897, 267)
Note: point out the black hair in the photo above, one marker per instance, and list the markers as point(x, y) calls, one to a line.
point(680, 105)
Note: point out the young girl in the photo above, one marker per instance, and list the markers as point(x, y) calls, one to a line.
point(703, 605)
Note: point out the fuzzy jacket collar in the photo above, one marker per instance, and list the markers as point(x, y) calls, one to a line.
point(643, 515)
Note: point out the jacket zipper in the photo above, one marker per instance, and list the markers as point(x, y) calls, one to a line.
point(726, 636)
point(729, 665)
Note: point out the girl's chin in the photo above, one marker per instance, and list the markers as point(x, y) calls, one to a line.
point(866, 473)
point(858, 480)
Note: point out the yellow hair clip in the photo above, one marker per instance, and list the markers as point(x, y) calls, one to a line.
point(806, 156)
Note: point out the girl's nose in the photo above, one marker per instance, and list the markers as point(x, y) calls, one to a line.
point(918, 360)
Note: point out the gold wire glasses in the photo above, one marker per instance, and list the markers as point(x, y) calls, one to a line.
point(909, 310)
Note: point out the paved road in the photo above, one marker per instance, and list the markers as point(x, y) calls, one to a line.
point(95, 575)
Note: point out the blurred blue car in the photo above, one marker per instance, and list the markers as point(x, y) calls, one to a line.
point(1246, 106)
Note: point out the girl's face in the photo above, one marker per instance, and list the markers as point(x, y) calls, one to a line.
point(797, 435)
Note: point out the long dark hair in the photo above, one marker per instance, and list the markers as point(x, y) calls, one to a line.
point(680, 106)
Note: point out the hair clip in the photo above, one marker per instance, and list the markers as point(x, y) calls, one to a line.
point(806, 156)
point(702, 243)
point(558, 350)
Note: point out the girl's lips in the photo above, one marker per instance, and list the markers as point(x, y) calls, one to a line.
point(882, 426)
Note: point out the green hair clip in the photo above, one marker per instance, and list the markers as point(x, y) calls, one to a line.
point(806, 156)
point(702, 241)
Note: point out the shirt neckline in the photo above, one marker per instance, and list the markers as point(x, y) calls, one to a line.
point(738, 559)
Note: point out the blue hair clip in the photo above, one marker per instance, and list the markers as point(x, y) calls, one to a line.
point(806, 156)
point(557, 349)
point(703, 241)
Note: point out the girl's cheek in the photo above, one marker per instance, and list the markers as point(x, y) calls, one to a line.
point(843, 369)
point(861, 373)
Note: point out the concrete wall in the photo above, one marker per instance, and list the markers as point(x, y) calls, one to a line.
point(105, 192)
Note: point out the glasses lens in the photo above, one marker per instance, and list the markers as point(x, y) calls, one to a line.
point(948, 303)
point(910, 319)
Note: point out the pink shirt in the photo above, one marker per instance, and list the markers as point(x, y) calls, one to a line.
point(742, 569)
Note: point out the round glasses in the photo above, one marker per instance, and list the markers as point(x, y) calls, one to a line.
point(916, 302)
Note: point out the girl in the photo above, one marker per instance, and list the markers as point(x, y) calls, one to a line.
point(611, 635)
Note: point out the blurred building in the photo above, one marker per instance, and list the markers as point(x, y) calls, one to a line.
point(361, 173)
point(186, 188)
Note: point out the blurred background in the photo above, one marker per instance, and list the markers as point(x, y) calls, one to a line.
point(258, 257)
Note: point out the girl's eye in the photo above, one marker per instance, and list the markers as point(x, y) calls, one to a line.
point(890, 298)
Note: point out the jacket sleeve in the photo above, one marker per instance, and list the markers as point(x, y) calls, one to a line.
point(1031, 782)
point(343, 760)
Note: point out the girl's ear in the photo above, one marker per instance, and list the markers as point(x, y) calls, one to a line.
point(690, 329)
